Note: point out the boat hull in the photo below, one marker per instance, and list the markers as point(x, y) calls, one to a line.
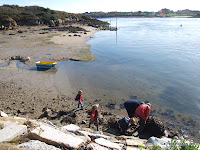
point(45, 65)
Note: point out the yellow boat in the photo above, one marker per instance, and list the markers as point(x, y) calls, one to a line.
point(45, 64)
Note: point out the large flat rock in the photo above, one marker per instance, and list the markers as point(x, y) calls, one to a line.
point(2, 114)
point(37, 145)
point(135, 142)
point(95, 146)
point(16, 120)
point(70, 127)
point(53, 136)
point(109, 144)
point(93, 135)
point(133, 148)
point(12, 131)
point(162, 142)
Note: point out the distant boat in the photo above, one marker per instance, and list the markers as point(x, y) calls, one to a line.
point(45, 64)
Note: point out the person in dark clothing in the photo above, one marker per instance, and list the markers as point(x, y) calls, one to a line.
point(94, 114)
point(138, 109)
point(131, 106)
point(124, 123)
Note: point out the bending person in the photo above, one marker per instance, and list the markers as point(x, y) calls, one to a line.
point(138, 109)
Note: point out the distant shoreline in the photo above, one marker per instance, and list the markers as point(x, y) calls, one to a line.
point(149, 17)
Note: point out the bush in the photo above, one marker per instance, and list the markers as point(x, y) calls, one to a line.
point(182, 145)
point(177, 145)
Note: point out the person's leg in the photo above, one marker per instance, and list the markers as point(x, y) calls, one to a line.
point(141, 127)
point(97, 123)
point(81, 105)
point(90, 123)
point(78, 104)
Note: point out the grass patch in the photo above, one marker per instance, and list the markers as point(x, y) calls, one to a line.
point(1, 42)
point(15, 140)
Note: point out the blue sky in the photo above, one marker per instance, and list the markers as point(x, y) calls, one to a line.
point(80, 6)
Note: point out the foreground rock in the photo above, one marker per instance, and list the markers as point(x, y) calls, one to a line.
point(11, 131)
point(54, 136)
point(45, 135)
point(42, 134)
point(35, 144)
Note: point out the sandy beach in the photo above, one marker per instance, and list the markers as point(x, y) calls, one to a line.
point(26, 92)
point(38, 43)
point(30, 93)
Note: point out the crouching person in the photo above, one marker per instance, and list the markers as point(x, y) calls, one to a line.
point(94, 114)
point(124, 124)
point(139, 110)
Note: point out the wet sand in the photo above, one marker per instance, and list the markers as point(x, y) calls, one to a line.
point(40, 44)
point(25, 92)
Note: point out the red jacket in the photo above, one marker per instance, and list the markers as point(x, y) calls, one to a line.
point(94, 114)
point(79, 97)
point(143, 111)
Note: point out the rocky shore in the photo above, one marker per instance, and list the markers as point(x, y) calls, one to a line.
point(21, 133)
point(32, 94)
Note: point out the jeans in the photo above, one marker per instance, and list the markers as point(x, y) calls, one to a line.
point(80, 104)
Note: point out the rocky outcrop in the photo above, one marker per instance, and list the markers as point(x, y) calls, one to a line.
point(42, 134)
point(59, 22)
point(45, 135)
point(8, 24)
point(154, 127)
point(52, 23)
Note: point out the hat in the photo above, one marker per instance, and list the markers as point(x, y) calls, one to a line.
point(80, 91)
point(148, 104)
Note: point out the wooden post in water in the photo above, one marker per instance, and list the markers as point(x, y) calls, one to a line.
point(116, 23)
point(116, 30)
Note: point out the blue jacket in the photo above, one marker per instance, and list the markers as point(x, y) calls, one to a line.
point(123, 123)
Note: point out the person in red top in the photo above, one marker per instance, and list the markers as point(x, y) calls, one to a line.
point(143, 111)
point(94, 114)
point(79, 99)
point(140, 110)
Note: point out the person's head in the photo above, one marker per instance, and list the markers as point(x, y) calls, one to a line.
point(95, 107)
point(148, 104)
point(133, 120)
point(80, 92)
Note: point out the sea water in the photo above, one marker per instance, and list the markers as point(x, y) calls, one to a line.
point(148, 59)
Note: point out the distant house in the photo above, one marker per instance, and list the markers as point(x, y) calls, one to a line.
point(165, 11)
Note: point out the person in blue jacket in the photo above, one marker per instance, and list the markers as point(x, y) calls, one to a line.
point(124, 123)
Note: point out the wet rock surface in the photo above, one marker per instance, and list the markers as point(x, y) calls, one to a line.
point(154, 127)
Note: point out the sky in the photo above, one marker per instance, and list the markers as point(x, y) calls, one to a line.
point(81, 6)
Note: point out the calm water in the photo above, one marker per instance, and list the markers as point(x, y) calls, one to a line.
point(149, 59)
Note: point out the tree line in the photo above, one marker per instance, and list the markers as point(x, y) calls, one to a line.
point(162, 13)
point(11, 15)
